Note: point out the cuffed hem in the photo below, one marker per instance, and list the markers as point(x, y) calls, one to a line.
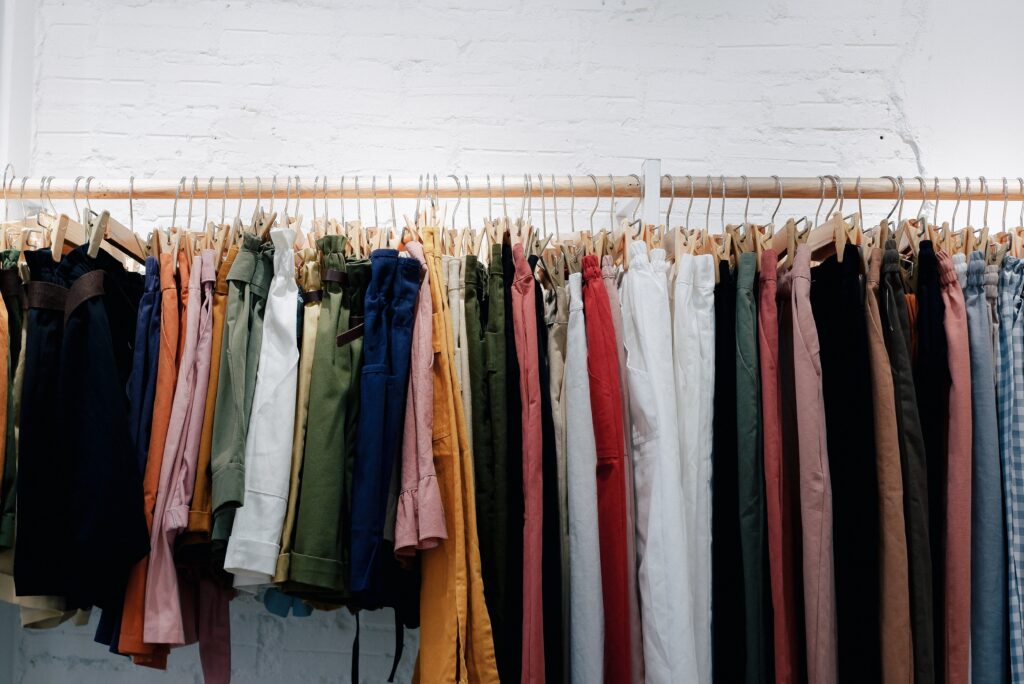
point(229, 486)
point(200, 521)
point(249, 556)
point(322, 573)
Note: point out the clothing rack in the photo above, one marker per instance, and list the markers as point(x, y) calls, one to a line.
point(514, 186)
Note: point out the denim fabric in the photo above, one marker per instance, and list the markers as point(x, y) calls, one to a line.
point(390, 309)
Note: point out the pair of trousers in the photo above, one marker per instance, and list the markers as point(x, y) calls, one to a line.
point(932, 384)
point(693, 334)
point(455, 281)
point(510, 650)
point(248, 279)
point(839, 317)
point(894, 590)
point(455, 633)
point(815, 484)
point(320, 553)
point(133, 617)
point(163, 620)
point(587, 649)
point(1011, 444)
point(662, 545)
point(752, 513)
point(309, 283)
point(255, 542)
point(479, 308)
point(387, 343)
point(958, 484)
point(606, 407)
point(728, 636)
point(200, 515)
point(780, 487)
point(989, 621)
point(609, 274)
point(555, 664)
point(420, 522)
point(524, 314)
point(895, 325)
point(13, 301)
point(556, 319)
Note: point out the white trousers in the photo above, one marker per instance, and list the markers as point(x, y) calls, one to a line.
point(661, 540)
point(255, 541)
point(586, 609)
point(693, 334)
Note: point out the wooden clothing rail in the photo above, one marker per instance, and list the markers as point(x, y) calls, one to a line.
point(513, 186)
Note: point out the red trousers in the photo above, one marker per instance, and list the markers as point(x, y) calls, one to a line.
point(606, 406)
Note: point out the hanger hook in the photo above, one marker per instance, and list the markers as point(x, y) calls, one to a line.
point(956, 207)
point(504, 202)
point(224, 198)
point(597, 196)
point(206, 202)
point(778, 184)
point(191, 196)
point(924, 196)
point(935, 215)
point(469, 202)
point(690, 203)
point(174, 207)
point(721, 216)
point(554, 204)
point(326, 208)
point(1006, 201)
point(391, 200)
point(984, 188)
point(74, 194)
point(611, 204)
point(746, 205)
point(373, 194)
point(273, 191)
point(316, 182)
point(671, 200)
point(895, 188)
point(458, 201)
point(341, 200)
point(10, 168)
point(707, 211)
point(821, 187)
point(572, 204)
point(636, 207)
point(88, 183)
point(1021, 181)
point(543, 207)
point(359, 203)
point(860, 205)
point(241, 194)
point(526, 193)
point(21, 199)
point(967, 191)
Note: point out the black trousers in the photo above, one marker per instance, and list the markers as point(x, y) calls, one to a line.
point(43, 532)
point(554, 653)
point(727, 599)
point(913, 464)
point(509, 653)
point(932, 381)
point(838, 306)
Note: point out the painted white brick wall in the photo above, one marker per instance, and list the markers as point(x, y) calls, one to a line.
point(797, 87)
